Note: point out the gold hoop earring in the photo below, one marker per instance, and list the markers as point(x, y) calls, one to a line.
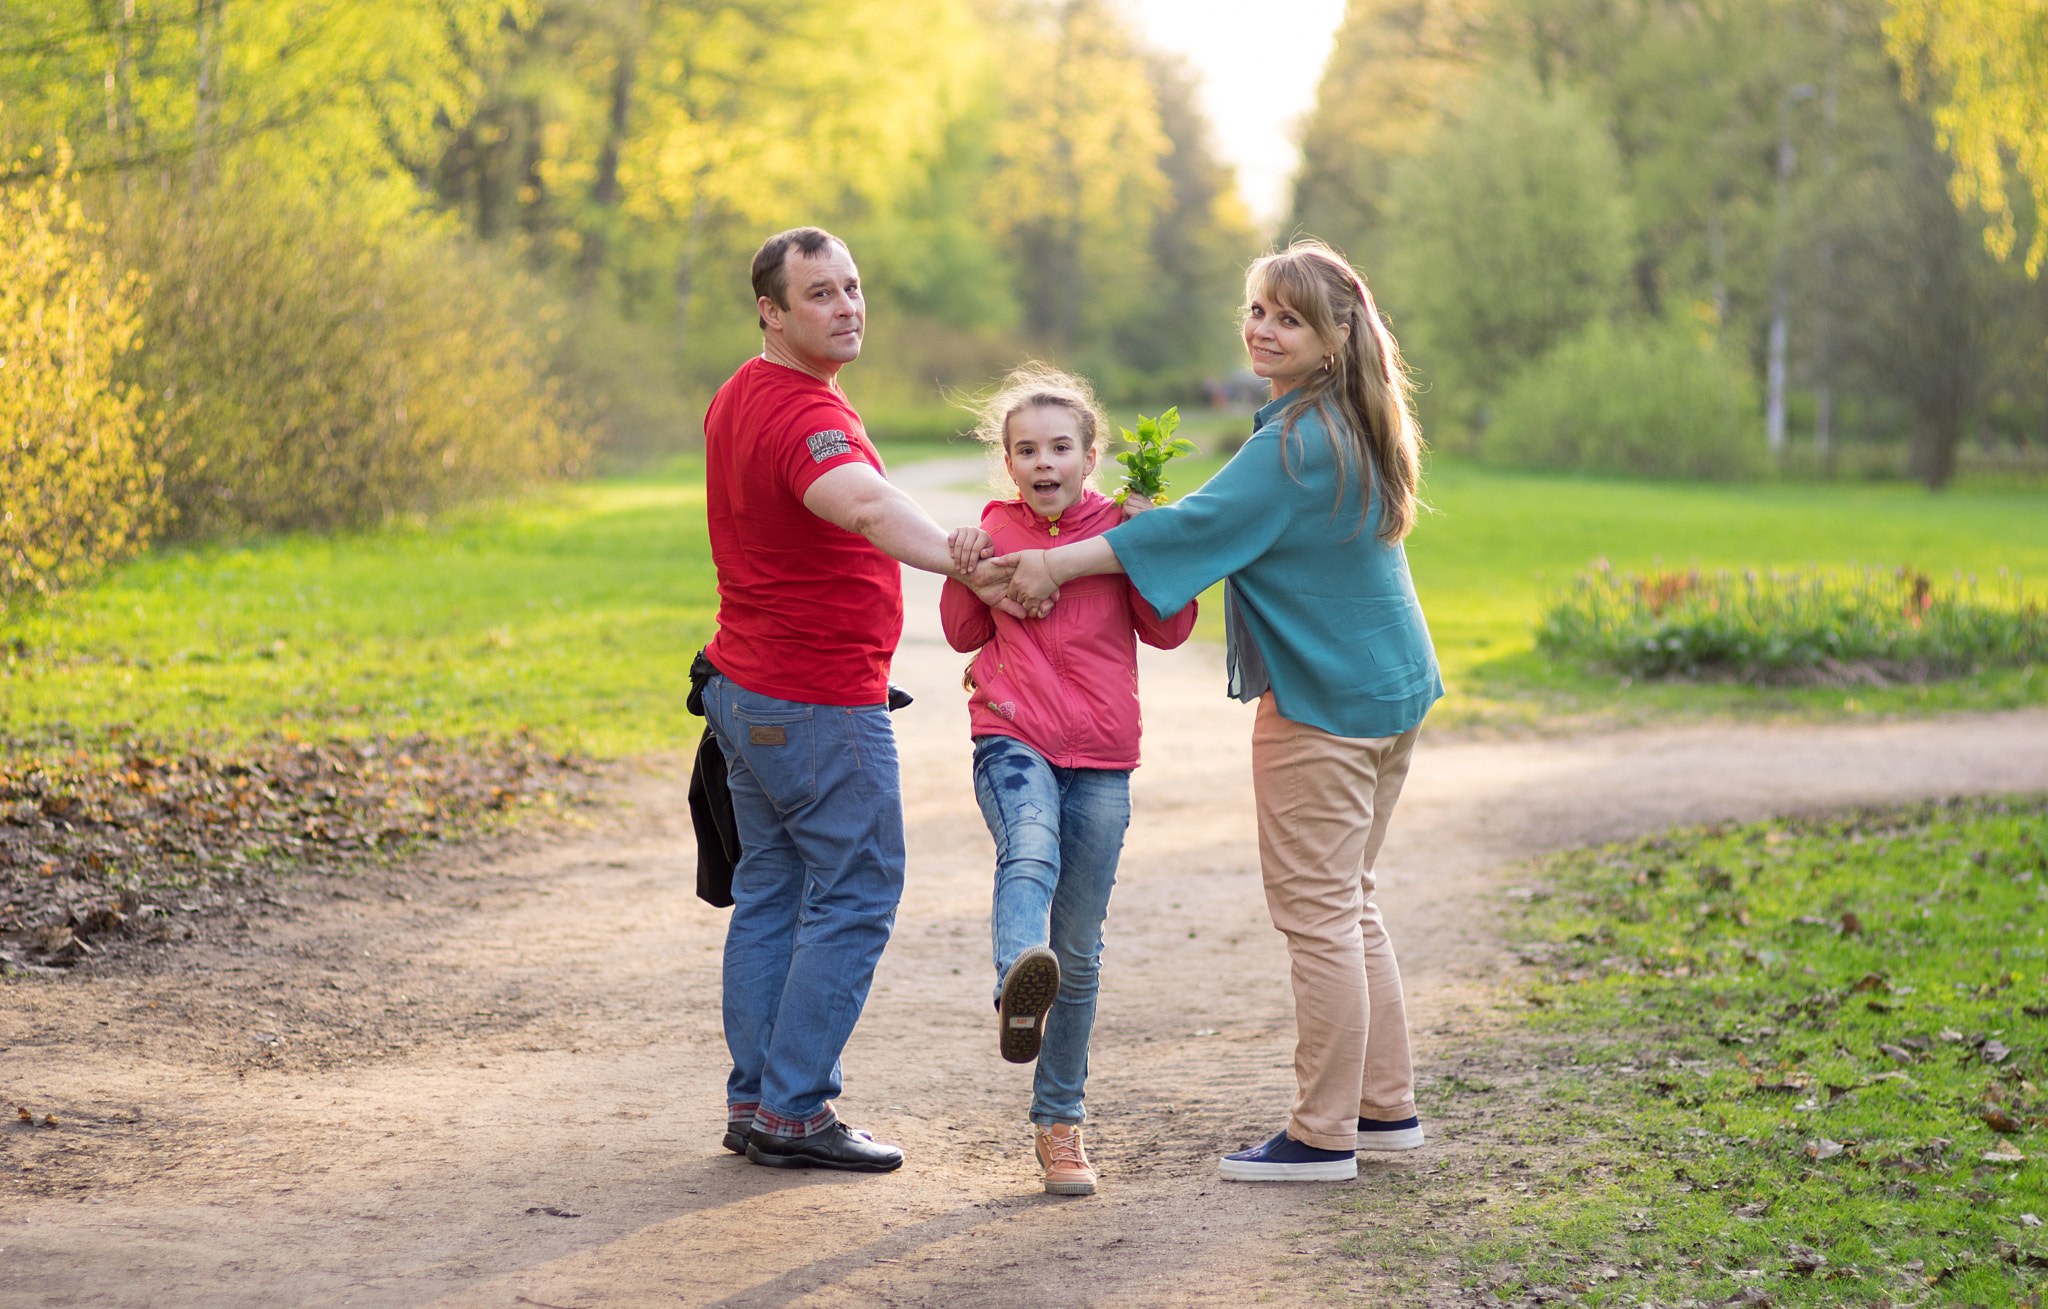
point(1327, 359)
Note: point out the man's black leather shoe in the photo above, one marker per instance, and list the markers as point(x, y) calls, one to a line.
point(838, 1146)
point(735, 1140)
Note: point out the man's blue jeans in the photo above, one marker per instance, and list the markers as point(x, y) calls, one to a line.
point(1058, 833)
point(819, 805)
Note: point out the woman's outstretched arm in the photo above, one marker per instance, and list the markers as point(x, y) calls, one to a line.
point(1041, 573)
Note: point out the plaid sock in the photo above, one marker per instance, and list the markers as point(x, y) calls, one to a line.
point(766, 1120)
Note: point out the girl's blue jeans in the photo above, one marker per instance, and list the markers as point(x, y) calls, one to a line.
point(1058, 832)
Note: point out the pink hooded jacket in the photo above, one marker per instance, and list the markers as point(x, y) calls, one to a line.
point(1067, 684)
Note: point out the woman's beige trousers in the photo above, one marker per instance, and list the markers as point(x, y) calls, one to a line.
point(1323, 804)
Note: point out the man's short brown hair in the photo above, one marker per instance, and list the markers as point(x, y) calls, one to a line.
point(771, 262)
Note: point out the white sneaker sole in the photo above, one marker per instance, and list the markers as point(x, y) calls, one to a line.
point(1242, 1170)
point(1408, 1138)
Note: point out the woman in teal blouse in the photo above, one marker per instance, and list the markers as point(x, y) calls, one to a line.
point(1304, 526)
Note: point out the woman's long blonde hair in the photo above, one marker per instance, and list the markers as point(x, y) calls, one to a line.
point(1363, 390)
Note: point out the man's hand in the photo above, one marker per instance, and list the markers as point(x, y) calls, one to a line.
point(968, 546)
point(990, 582)
point(1032, 587)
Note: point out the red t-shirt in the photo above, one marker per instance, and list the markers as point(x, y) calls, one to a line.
point(807, 610)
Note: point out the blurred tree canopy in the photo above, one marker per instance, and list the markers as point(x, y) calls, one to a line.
point(1986, 63)
point(1015, 176)
point(1782, 193)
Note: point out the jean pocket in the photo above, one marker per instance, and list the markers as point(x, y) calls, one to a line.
point(778, 746)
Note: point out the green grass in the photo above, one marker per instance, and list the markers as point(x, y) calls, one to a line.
point(1498, 543)
point(575, 616)
point(1756, 1042)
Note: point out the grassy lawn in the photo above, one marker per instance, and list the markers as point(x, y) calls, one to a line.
point(1793, 1062)
point(1497, 541)
point(574, 614)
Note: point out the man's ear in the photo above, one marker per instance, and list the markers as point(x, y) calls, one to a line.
point(771, 313)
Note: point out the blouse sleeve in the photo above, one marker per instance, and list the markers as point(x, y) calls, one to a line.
point(1175, 552)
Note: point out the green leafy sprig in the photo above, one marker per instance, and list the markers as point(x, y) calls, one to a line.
point(1145, 464)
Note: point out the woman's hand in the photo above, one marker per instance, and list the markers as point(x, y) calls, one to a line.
point(968, 546)
point(1032, 587)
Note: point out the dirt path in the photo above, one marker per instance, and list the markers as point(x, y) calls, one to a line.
point(506, 1089)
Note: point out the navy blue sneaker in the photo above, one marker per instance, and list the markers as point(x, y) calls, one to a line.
point(1396, 1134)
point(1284, 1159)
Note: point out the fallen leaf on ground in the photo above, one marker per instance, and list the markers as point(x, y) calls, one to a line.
point(1823, 1149)
point(1756, 1209)
point(1851, 925)
point(1895, 1053)
point(1998, 1120)
point(1872, 982)
point(1805, 1259)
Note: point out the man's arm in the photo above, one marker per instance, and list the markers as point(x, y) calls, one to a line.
point(859, 499)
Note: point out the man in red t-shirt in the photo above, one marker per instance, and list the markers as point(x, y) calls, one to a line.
point(807, 535)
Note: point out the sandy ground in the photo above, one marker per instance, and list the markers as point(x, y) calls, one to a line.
point(496, 1080)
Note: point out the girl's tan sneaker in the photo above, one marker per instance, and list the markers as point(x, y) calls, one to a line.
point(1067, 1170)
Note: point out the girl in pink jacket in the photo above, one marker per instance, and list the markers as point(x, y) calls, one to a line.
point(1053, 709)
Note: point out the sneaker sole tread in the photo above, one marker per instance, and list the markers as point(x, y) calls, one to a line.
point(1031, 987)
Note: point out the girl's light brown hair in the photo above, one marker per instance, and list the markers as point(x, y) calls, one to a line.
point(1363, 389)
point(1032, 385)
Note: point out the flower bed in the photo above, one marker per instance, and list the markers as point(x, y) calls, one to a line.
point(1806, 625)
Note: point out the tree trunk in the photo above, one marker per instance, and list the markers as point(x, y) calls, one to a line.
point(206, 101)
point(1932, 460)
point(604, 192)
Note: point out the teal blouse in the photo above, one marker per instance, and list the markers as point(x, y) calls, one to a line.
point(1317, 608)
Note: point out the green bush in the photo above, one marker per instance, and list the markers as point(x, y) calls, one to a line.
point(76, 492)
point(1650, 400)
point(1870, 624)
point(320, 370)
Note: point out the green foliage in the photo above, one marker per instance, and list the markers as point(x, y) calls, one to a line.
point(319, 371)
point(1896, 324)
point(1804, 1038)
point(1862, 625)
point(77, 491)
point(1153, 445)
point(1515, 233)
point(1653, 400)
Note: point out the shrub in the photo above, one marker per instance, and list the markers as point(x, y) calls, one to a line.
point(1810, 625)
point(1651, 400)
point(319, 370)
point(75, 490)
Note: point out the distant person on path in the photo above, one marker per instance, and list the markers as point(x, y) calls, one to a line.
point(806, 534)
point(1325, 632)
point(1053, 710)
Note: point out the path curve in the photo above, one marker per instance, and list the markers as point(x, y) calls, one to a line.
point(547, 1133)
